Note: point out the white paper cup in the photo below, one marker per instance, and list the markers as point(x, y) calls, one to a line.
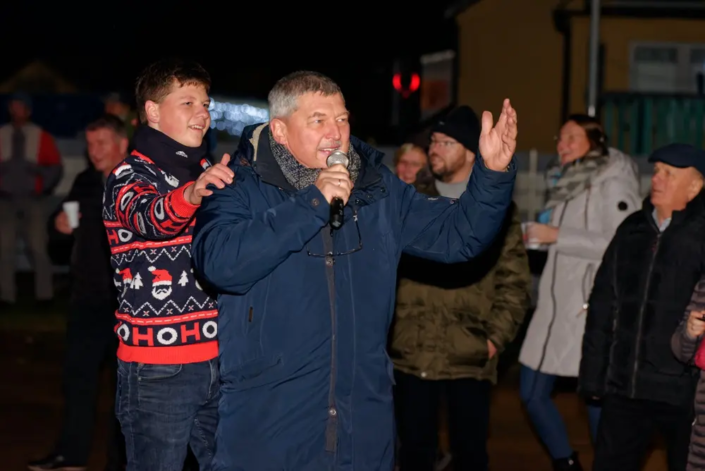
point(525, 226)
point(71, 210)
point(530, 244)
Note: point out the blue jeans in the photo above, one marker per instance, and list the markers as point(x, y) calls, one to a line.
point(165, 408)
point(535, 389)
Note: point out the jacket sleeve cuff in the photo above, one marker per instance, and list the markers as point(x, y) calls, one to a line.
point(507, 174)
point(496, 341)
point(178, 201)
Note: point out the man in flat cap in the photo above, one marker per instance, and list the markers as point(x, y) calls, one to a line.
point(641, 291)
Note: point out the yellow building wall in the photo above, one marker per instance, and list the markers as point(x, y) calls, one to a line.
point(617, 34)
point(511, 49)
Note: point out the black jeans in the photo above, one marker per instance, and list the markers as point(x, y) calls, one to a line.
point(91, 343)
point(627, 428)
point(417, 408)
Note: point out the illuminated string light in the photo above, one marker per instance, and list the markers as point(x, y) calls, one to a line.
point(233, 118)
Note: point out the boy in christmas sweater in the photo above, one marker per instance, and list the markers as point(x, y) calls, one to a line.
point(168, 384)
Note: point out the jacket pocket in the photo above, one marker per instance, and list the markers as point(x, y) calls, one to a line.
point(467, 345)
point(252, 321)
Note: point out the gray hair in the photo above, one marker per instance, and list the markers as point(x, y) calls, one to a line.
point(285, 93)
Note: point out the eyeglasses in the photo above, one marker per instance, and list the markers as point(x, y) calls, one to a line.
point(340, 254)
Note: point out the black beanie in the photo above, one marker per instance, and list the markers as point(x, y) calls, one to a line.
point(463, 125)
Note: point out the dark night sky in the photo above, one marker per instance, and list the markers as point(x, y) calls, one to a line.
point(246, 46)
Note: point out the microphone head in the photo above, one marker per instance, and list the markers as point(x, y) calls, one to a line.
point(338, 157)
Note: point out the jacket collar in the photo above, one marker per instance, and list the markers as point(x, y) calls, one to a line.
point(694, 209)
point(254, 150)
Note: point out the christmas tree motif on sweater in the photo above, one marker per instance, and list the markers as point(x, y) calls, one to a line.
point(137, 282)
point(183, 281)
point(161, 284)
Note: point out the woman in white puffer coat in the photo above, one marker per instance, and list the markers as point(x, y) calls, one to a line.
point(591, 190)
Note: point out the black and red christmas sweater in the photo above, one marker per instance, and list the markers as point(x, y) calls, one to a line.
point(164, 316)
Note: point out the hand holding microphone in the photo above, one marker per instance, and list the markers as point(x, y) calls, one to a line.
point(334, 182)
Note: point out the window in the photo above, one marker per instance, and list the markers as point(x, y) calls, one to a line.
point(697, 68)
point(666, 67)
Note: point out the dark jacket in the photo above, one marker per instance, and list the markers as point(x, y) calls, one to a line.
point(91, 274)
point(446, 313)
point(642, 288)
point(687, 349)
point(306, 380)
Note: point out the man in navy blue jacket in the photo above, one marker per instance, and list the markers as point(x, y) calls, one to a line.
point(305, 309)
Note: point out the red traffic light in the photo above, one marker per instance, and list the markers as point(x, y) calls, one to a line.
point(414, 84)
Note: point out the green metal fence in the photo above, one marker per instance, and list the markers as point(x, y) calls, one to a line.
point(638, 123)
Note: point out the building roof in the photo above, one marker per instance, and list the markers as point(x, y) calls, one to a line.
point(617, 7)
point(662, 9)
point(37, 77)
point(458, 7)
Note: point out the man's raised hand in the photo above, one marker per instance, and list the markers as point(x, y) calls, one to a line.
point(498, 143)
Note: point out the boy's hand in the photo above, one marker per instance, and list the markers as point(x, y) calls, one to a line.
point(696, 325)
point(219, 175)
point(61, 223)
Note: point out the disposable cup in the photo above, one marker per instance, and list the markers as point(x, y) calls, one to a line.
point(71, 210)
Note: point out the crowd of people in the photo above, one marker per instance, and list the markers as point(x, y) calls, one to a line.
point(611, 296)
point(244, 327)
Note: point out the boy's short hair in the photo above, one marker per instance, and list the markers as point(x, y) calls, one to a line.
point(109, 121)
point(155, 81)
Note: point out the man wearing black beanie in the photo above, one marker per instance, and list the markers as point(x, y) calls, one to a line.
point(453, 320)
point(454, 142)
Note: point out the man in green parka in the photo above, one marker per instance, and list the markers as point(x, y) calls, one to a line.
point(452, 321)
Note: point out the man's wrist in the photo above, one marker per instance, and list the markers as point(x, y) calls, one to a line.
point(504, 169)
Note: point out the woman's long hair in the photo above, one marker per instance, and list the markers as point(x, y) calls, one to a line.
point(594, 131)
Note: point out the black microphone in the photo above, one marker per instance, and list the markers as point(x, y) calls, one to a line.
point(336, 205)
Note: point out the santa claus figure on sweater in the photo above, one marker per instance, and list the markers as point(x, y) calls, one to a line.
point(126, 279)
point(161, 284)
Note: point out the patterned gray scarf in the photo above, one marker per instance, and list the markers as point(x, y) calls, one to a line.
point(565, 182)
point(301, 177)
